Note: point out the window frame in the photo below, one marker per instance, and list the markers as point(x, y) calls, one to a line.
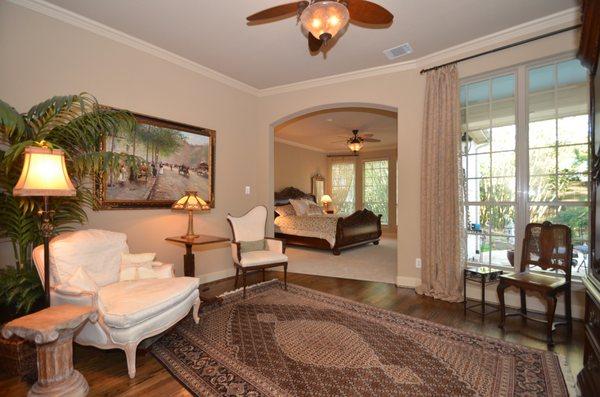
point(522, 203)
point(362, 187)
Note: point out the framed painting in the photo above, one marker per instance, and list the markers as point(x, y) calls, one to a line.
point(160, 161)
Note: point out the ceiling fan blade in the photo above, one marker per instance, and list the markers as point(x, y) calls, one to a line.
point(314, 44)
point(371, 140)
point(278, 11)
point(370, 13)
point(367, 135)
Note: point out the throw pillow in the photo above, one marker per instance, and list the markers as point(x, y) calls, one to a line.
point(300, 206)
point(249, 246)
point(80, 279)
point(137, 260)
point(163, 271)
point(144, 273)
point(285, 210)
point(314, 209)
point(128, 274)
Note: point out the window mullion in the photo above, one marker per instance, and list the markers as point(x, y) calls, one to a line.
point(522, 160)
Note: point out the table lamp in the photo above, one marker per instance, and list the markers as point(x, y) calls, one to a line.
point(326, 199)
point(44, 174)
point(190, 202)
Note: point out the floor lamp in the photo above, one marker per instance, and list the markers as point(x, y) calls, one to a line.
point(44, 174)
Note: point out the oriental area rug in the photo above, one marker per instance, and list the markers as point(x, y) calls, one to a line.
point(302, 342)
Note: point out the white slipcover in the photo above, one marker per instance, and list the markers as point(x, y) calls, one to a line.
point(128, 311)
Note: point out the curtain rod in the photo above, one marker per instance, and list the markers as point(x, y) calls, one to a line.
point(504, 47)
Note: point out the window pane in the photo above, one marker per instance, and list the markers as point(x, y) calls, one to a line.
point(542, 106)
point(499, 249)
point(503, 113)
point(478, 189)
point(504, 138)
point(572, 159)
point(571, 72)
point(542, 161)
point(478, 92)
point(478, 218)
point(503, 87)
point(478, 141)
point(572, 101)
point(478, 117)
point(541, 79)
point(375, 188)
point(503, 164)
point(541, 213)
point(542, 188)
point(502, 219)
point(478, 249)
point(573, 129)
point(463, 96)
point(542, 133)
point(573, 187)
point(503, 189)
point(479, 166)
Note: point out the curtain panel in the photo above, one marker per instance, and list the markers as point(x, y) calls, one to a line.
point(442, 232)
point(342, 182)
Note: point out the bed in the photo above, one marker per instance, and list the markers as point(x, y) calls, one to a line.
point(325, 231)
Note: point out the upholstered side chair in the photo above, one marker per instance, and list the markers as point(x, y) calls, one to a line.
point(249, 229)
point(546, 246)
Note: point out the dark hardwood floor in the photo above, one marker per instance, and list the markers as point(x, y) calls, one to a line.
point(106, 371)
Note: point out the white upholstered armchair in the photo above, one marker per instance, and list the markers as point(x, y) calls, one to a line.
point(251, 250)
point(128, 311)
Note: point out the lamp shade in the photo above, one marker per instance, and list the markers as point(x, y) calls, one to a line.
point(326, 199)
point(44, 174)
point(324, 19)
point(190, 202)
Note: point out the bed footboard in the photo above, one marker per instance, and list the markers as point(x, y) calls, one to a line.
point(362, 227)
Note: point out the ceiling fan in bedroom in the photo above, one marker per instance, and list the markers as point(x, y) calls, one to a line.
point(356, 142)
point(323, 19)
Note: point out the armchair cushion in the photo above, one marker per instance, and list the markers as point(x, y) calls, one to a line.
point(125, 304)
point(81, 280)
point(136, 260)
point(257, 258)
point(249, 246)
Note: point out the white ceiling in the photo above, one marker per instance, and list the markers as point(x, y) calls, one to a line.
point(327, 130)
point(215, 34)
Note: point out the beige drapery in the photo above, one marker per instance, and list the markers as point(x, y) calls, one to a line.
point(442, 232)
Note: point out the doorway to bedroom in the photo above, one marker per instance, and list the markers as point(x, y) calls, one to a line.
point(336, 192)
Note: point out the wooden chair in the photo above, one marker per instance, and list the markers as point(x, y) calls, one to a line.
point(547, 246)
point(249, 228)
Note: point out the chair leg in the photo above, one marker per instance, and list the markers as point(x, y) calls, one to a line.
point(500, 290)
point(130, 350)
point(195, 310)
point(285, 276)
point(237, 273)
point(244, 282)
point(551, 301)
point(568, 314)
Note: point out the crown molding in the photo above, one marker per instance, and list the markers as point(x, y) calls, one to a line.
point(61, 14)
point(555, 21)
point(299, 145)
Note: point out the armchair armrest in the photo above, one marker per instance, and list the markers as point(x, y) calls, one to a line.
point(67, 294)
point(236, 252)
point(275, 244)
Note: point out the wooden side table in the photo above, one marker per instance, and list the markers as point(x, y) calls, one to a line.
point(52, 331)
point(189, 267)
point(483, 276)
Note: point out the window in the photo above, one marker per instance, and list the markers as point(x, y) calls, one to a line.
point(343, 187)
point(527, 169)
point(375, 188)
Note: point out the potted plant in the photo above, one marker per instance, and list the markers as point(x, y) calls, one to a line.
point(76, 124)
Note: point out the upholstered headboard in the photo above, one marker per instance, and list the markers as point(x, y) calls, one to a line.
point(283, 197)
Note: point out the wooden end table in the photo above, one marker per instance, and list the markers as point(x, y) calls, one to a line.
point(484, 276)
point(52, 331)
point(189, 264)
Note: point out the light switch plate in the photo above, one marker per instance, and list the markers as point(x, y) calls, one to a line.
point(418, 263)
point(247, 190)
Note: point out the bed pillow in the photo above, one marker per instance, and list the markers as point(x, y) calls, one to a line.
point(285, 210)
point(249, 246)
point(300, 206)
point(314, 209)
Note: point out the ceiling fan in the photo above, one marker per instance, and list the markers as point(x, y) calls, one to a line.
point(323, 19)
point(356, 142)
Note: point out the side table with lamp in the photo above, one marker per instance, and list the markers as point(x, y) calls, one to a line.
point(191, 202)
point(326, 200)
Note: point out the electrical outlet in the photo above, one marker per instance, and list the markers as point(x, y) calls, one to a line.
point(247, 190)
point(418, 263)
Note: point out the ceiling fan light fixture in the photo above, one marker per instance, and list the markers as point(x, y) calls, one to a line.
point(324, 19)
point(355, 144)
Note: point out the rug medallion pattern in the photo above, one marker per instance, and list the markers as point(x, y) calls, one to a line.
point(302, 342)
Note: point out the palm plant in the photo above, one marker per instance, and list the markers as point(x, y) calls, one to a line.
point(77, 124)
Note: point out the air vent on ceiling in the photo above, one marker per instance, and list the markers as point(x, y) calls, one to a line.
point(397, 52)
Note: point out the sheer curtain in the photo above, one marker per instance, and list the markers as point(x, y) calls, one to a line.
point(442, 233)
point(342, 179)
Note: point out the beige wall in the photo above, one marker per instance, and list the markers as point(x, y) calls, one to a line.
point(294, 166)
point(44, 57)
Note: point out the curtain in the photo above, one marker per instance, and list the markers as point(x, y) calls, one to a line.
point(342, 174)
point(442, 232)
